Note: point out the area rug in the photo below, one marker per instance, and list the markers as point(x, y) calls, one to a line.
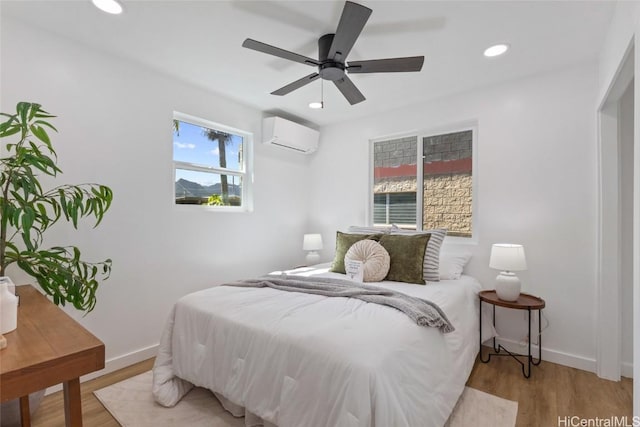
point(132, 405)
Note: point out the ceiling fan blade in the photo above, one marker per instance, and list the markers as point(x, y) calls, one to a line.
point(309, 46)
point(276, 51)
point(391, 65)
point(296, 85)
point(352, 21)
point(349, 90)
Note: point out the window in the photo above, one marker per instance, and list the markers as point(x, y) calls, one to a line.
point(210, 164)
point(394, 181)
point(446, 183)
point(395, 208)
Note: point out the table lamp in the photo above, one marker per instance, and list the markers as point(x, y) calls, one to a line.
point(508, 258)
point(312, 243)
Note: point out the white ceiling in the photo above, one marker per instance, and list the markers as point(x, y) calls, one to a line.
point(200, 42)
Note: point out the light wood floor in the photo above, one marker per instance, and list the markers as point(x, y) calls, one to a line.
point(51, 411)
point(552, 391)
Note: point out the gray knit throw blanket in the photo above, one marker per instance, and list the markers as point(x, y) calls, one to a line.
point(423, 312)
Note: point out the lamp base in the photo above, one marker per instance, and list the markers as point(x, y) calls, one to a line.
point(312, 258)
point(507, 286)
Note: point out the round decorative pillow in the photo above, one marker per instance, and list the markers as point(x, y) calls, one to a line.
point(375, 259)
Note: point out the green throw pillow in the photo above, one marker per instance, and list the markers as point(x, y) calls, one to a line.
point(407, 257)
point(343, 242)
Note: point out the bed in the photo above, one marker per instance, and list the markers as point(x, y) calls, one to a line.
point(292, 359)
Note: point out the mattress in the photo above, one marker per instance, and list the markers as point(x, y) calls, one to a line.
point(292, 359)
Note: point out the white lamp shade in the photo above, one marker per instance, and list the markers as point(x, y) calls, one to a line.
point(312, 242)
point(507, 257)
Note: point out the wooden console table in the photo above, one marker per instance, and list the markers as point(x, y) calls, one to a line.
point(48, 348)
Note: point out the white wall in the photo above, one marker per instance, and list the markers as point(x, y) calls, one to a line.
point(536, 186)
point(115, 128)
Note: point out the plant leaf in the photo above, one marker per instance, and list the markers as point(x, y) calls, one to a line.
point(40, 133)
point(27, 211)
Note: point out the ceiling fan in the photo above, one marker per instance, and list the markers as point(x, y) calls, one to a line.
point(332, 55)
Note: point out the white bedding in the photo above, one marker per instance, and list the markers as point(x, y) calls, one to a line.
point(297, 359)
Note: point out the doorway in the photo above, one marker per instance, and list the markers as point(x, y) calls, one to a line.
point(615, 294)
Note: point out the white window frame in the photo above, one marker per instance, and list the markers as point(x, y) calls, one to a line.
point(245, 174)
point(426, 133)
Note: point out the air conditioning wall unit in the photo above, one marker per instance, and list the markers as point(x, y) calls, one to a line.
point(289, 135)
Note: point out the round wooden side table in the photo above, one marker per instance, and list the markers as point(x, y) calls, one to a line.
point(524, 302)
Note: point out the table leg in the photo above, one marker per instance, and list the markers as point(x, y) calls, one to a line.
point(495, 349)
point(25, 414)
point(72, 403)
point(539, 340)
point(528, 373)
point(480, 350)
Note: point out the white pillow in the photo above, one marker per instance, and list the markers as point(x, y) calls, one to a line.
point(355, 229)
point(375, 259)
point(452, 264)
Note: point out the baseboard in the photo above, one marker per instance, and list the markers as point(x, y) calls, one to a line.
point(550, 355)
point(114, 364)
point(626, 369)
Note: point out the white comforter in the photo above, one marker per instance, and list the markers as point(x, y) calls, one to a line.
point(297, 360)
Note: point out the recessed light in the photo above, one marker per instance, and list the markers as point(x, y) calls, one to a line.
point(496, 50)
point(109, 6)
point(315, 105)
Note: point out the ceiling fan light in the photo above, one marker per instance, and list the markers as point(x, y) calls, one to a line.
point(496, 50)
point(315, 105)
point(109, 6)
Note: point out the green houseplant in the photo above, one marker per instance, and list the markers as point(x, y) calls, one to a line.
point(28, 210)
